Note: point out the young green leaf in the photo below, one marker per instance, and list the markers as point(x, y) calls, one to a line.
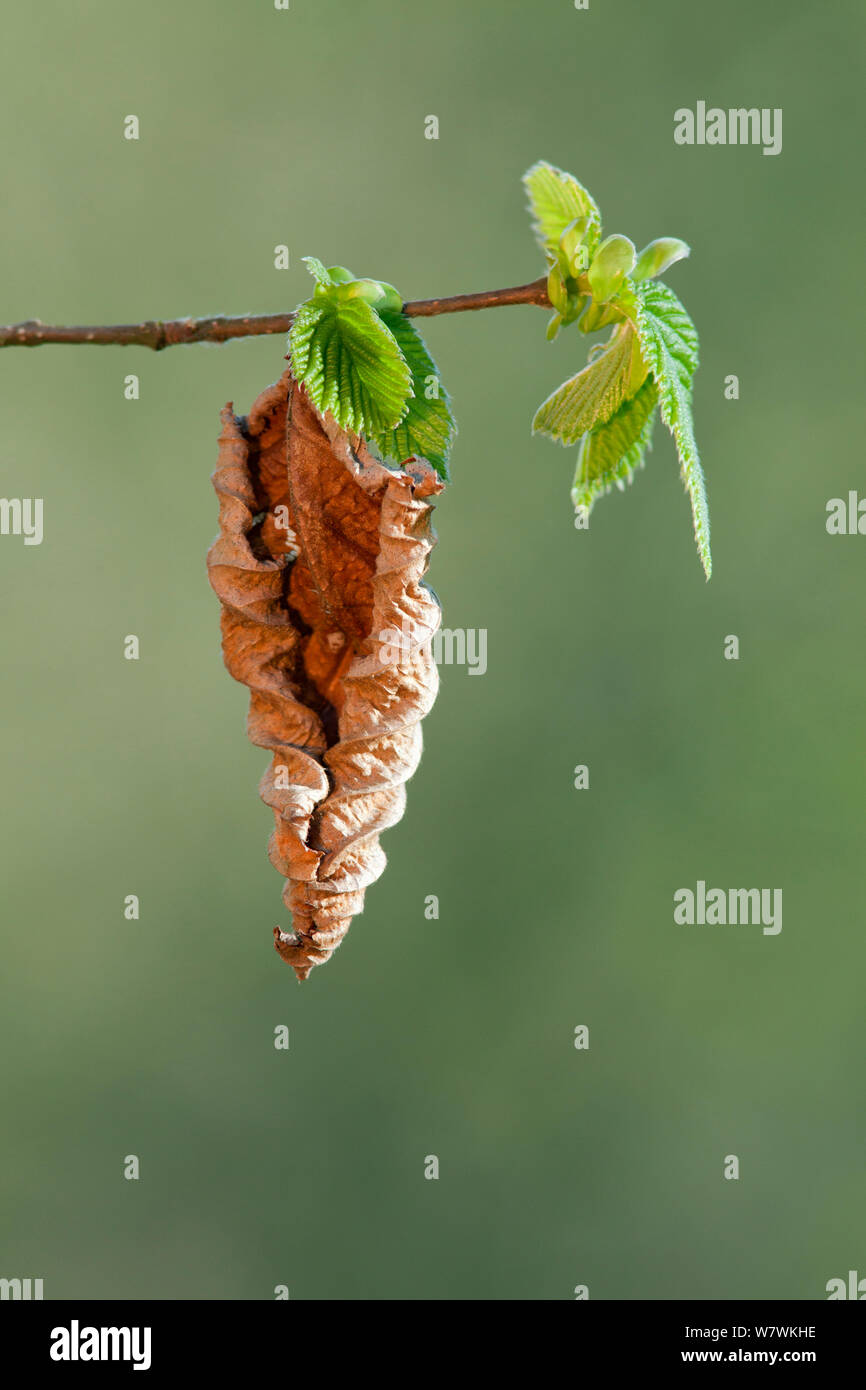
point(555, 200)
point(600, 316)
point(554, 323)
point(591, 397)
point(556, 290)
point(611, 263)
point(428, 427)
point(573, 256)
point(350, 363)
point(319, 273)
point(669, 343)
point(610, 453)
point(659, 256)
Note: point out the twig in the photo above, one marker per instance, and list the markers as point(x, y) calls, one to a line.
point(152, 333)
point(533, 293)
point(158, 333)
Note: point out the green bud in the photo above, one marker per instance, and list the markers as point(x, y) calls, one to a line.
point(393, 301)
point(368, 290)
point(378, 295)
point(339, 274)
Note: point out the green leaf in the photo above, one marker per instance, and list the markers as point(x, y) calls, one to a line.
point(659, 256)
point(350, 363)
point(318, 271)
point(555, 200)
point(613, 260)
point(610, 453)
point(669, 344)
point(591, 397)
point(428, 427)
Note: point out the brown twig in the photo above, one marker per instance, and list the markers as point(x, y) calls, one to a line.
point(152, 333)
point(533, 293)
point(158, 333)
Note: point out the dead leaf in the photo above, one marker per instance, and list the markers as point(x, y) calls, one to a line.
point(318, 567)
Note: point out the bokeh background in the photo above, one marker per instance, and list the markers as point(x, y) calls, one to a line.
point(451, 1037)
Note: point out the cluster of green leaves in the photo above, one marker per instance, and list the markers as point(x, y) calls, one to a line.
point(649, 360)
point(365, 363)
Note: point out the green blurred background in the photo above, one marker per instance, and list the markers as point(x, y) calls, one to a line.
point(455, 1037)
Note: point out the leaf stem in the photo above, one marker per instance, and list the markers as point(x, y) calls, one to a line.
point(159, 333)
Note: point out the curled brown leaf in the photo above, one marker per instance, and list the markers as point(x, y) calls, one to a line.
point(318, 566)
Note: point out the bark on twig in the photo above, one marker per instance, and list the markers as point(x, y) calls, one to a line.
point(162, 333)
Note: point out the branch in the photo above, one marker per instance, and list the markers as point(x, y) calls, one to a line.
point(533, 293)
point(152, 333)
point(158, 334)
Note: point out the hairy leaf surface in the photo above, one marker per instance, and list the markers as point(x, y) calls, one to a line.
point(555, 200)
point(669, 343)
point(610, 453)
point(427, 429)
point(350, 364)
point(593, 395)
